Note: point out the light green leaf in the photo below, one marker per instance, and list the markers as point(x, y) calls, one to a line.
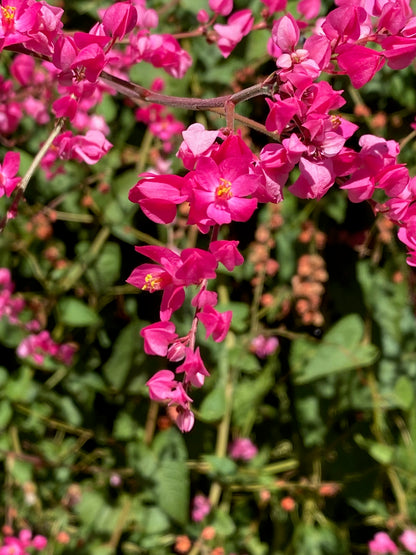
point(172, 490)
point(73, 312)
point(213, 406)
point(403, 390)
point(117, 367)
point(380, 452)
point(340, 350)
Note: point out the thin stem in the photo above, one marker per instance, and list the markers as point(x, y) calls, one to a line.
point(377, 430)
point(216, 104)
point(141, 93)
point(21, 188)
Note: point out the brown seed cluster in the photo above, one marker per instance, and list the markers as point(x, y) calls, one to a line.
point(308, 288)
point(259, 253)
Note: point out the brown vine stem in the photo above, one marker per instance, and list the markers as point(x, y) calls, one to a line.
point(134, 90)
point(216, 104)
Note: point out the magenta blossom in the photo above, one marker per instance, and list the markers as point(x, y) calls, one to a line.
point(239, 25)
point(193, 367)
point(119, 19)
point(381, 544)
point(200, 508)
point(264, 346)
point(172, 273)
point(8, 170)
point(157, 338)
point(18, 545)
point(216, 323)
point(408, 539)
point(158, 196)
point(219, 192)
point(242, 449)
point(221, 7)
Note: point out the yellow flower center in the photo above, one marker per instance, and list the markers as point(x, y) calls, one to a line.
point(335, 121)
point(7, 16)
point(152, 283)
point(223, 191)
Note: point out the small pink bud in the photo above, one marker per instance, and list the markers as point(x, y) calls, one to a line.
point(39, 542)
point(202, 16)
point(176, 352)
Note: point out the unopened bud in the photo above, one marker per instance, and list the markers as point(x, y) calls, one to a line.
point(176, 352)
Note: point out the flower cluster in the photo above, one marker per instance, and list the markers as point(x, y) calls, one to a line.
point(18, 545)
point(38, 343)
point(382, 544)
point(223, 180)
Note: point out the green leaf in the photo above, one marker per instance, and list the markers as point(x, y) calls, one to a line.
point(106, 269)
point(22, 471)
point(172, 490)
point(213, 406)
point(6, 413)
point(125, 427)
point(117, 367)
point(70, 411)
point(379, 451)
point(221, 466)
point(154, 521)
point(76, 313)
point(223, 524)
point(340, 350)
point(403, 390)
point(242, 360)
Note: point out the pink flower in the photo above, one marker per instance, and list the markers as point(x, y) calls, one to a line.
point(221, 7)
point(316, 178)
point(119, 19)
point(408, 539)
point(227, 253)
point(193, 367)
point(17, 19)
point(158, 196)
point(242, 449)
point(165, 51)
point(173, 273)
point(91, 147)
point(157, 337)
point(238, 26)
point(8, 170)
point(275, 5)
point(161, 385)
point(216, 323)
point(39, 345)
point(381, 544)
point(360, 63)
point(309, 8)
point(197, 141)
point(264, 346)
point(185, 419)
point(200, 508)
point(219, 191)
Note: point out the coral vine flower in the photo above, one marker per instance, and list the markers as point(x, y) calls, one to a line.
point(218, 192)
point(8, 170)
point(157, 337)
point(239, 25)
point(193, 367)
point(119, 19)
point(158, 196)
point(216, 323)
point(382, 544)
point(173, 273)
point(17, 19)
